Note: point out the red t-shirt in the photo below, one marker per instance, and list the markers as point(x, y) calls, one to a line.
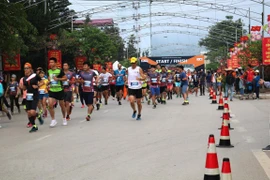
point(250, 75)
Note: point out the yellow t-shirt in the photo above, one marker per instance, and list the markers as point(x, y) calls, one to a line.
point(43, 89)
point(219, 78)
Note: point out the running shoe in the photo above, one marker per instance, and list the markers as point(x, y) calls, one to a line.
point(185, 103)
point(29, 125)
point(106, 103)
point(98, 106)
point(134, 114)
point(9, 116)
point(34, 129)
point(82, 106)
point(155, 106)
point(138, 117)
point(64, 122)
point(53, 123)
point(41, 122)
point(119, 103)
point(148, 102)
point(88, 118)
point(68, 118)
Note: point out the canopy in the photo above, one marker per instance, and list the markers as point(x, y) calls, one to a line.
point(148, 60)
point(115, 65)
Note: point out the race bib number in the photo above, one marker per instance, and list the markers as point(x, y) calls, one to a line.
point(134, 84)
point(29, 97)
point(154, 80)
point(163, 79)
point(65, 83)
point(42, 91)
point(118, 79)
point(169, 80)
point(105, 80)
point(12, 89)
point(113, 81)
point(87, 83)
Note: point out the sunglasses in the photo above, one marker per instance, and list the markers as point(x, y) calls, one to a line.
point(26, 68)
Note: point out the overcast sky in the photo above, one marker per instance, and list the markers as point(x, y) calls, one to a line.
point(176, 41)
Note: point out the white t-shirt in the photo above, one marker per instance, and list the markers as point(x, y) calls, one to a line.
point(105, 78)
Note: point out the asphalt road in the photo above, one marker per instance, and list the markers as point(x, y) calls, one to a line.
point(169, 143)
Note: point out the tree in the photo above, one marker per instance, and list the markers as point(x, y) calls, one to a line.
point(14, 26)
point(222, 36)
point(132, 51)
point(87, 19)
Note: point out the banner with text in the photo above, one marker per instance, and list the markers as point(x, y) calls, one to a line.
point(13, 64)
point(79, 62)
point(56, 54)
point(266, 51)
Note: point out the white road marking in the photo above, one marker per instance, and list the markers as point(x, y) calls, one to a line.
point(263, 160)
point(44, 137)
point(236, 121)
point(249, 139)
point(241, 129)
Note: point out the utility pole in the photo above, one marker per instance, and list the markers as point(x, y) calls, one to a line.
point(72, 23)
point(150, 21)
point(262, 33)
point(45, 49)
point(249, 27)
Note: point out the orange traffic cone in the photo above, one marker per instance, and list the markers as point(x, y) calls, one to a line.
point(211, 93)
point(214, 99)
point(225, 141)
point(226, 170)
point(220, 102)
point(226, 117)
point(211, 166)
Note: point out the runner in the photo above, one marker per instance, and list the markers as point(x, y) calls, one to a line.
point(43, 93)
point(177, 82)
point(86, 78)
point(96, 102)
point(120, 75)
point(112, 84)
point(170, 83)
point(135, 76)
point(105, 79)
point(56, 76)
point(163, 84)
point(144, 88)
point(68, 91)
point(154, 87)
point(14, 91)
point(30, 83)
point(2, 108)
point(184, 84)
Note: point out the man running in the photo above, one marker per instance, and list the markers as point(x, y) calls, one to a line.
point(184, 84)
point(120, 75)
point(68, 91)
point(56, 92)
point(154, 85)
point(177, 82)
point(86, 78)
point(163, 84)
point(30, 83)
point(170, 82)
point(135, 76)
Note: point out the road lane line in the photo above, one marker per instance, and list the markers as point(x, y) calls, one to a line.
point(249, 139)
point(263, 160)
point(44, 137)
point(241, 129)
point(236, 121)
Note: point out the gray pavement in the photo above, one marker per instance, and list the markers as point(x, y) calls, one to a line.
point(169, 143)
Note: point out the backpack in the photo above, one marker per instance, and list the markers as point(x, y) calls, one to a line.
point(1, 90)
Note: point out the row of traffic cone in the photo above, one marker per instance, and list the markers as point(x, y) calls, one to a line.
point(211, 165)
point(212, 169)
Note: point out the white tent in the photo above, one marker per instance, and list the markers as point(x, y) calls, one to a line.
point(115, 65)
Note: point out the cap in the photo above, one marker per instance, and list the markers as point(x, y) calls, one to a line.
point(257, 71)
point(13, 76)
point(169, 71)
point(133, 60)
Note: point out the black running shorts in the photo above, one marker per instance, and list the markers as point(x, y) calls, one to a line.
point(137, 93)
point(57, 95)
point(68, 96)
point(88, 97)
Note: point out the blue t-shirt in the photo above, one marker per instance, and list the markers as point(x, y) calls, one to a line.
point(182, 76)
point(119, 77)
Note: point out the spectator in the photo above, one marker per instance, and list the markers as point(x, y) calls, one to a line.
point(256, 83)
point(230, 79)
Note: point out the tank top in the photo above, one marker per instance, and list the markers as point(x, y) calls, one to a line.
point(133, 83)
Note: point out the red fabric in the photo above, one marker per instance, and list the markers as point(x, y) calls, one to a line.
point(250, 75)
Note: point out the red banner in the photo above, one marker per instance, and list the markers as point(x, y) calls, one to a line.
point(13, 64)
point(266, 51)
point(56, 54)
point(235, 62)
point(109, 65)
point(229, 63)
point(254, 62)
point(97, 67)
point(79, 62)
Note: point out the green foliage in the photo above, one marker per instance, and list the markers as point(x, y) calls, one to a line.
point(212, 65)
point(222, 36)
point(132, 51)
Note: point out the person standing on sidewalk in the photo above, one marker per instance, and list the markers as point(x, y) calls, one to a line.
point(230, 79)
point(14, 92)
point(56, 92)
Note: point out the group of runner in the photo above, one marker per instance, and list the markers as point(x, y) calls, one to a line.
point(45, 93)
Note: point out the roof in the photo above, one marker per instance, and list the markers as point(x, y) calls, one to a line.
point(96, 22)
